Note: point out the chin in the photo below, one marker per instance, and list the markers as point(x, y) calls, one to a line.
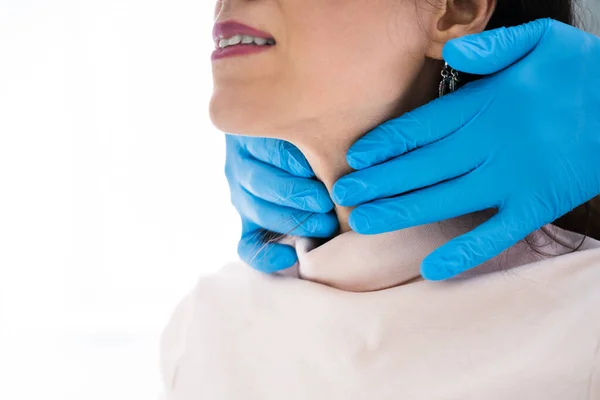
point(234, 115)
point(228, 119)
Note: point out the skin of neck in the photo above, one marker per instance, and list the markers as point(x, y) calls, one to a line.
point(328, 161)
point(325, 145)
point(325, 141)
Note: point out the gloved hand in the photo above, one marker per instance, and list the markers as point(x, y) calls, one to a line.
point(525, 140)
point(271, 188)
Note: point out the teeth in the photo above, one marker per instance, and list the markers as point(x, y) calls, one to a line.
point(247, 39)
point(244, 39)
point(237, 39)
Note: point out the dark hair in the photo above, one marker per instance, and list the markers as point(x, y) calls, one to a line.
point(517, 12)
point(584, 219)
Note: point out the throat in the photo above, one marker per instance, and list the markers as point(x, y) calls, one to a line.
point(329, 164)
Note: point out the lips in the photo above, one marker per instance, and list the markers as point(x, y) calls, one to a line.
point(254, 40)
point(227, 29)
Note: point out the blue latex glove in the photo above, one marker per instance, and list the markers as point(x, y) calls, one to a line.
point(272, 188)
point(525, 140)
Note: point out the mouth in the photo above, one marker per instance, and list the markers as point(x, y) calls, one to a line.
point(233, 38)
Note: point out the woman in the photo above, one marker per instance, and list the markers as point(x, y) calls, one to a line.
point(294, 72)
point(272, 185)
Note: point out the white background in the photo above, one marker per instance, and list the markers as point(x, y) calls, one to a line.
point(113, 199)
point(112, 189)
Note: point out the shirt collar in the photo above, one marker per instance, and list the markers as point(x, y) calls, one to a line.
point(362, 263)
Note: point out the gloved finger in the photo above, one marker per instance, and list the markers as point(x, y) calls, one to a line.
point(278, 153)
point(440, 161)
point(491, 51)
point(426, 124)
point(443, 201)
point(279, 187)
point(281, 219)
point(265, 257)
point(503, 230)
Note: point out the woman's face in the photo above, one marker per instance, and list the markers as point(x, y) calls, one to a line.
point(333, 60)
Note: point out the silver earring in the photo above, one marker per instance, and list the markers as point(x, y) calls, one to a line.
point(449, 81)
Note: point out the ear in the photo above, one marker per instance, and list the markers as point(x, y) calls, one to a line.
point(456, 18)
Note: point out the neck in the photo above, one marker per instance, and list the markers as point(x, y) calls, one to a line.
point(329, 164)
point(325, 141)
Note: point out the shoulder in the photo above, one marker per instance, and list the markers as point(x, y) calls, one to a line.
point(232, 314)
point(235, 293)
point(174, 344)
point(575, 275)
point(566, 286)
point(573, 271)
